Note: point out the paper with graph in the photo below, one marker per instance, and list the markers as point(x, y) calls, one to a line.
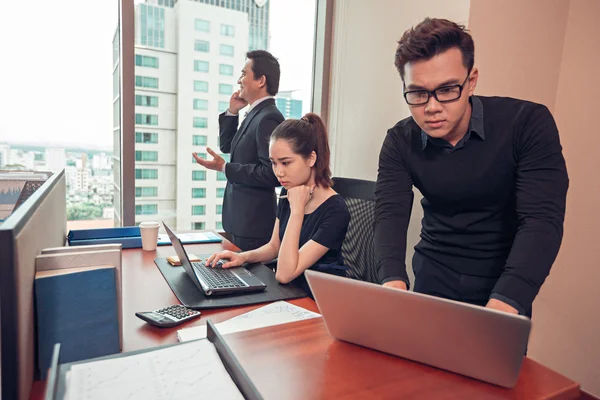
point(279, 312)
point(187, 371)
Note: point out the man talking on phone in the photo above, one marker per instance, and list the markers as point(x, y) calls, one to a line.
point(249, 204)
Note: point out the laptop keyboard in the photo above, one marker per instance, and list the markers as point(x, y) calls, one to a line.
point(218, 278)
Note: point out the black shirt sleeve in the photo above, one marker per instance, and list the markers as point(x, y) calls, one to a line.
point(333, 225)
point(541, 190)
point(393, 206)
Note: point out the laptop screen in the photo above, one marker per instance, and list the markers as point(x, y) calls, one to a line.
point(183, 257)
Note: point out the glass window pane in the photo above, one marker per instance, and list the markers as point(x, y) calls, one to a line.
point(201, 86)
point(200, 66)
point(225, 69)
point(226, 50)
point(202, 25)
point(200, 122)
point(199, 140)
point(200, 104)
point(202, 46)
point(225, 88)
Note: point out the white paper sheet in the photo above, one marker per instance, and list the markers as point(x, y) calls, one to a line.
point(191, 370)
point(279, 312)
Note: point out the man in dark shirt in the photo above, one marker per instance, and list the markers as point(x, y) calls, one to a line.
point(491, 172)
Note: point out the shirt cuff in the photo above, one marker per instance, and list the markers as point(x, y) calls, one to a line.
point(224, 168)
point(397, 278)
point(510, 302)
point(230, 114)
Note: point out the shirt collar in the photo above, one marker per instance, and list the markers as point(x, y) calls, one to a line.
point(257, 102)
point(475, 124)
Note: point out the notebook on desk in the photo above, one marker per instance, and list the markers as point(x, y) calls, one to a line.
point(480, 343)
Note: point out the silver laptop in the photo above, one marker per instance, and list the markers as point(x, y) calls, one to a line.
point(470, 340)
point(215, 281)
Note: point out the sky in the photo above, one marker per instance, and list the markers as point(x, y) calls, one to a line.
point(56, 68)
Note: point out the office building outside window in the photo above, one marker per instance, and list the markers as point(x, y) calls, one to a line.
point(202, 46)
point(198, 226)
point(179, 97)
point(227, 30)
point(226, 50)
point(146, 137)
point(202, 26)
point(225, 69)
point(200, 86)
point(200, 104)
point(200, 122)
point(200, 66)
point(225, 89)
point(198, 193)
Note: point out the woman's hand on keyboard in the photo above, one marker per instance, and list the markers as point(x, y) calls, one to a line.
point(231, 259)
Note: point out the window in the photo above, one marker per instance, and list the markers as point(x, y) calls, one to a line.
point(146, 101)
point(225, 88)
point(200, 104)
point(226, 50)
point(225, 69)
point(146, 155)
point(198, 210)
point(202, 46)
point(201, 155)
point(223, 106)
point(146, 191)
point(199, 140)
point(153, 26)
point(146, 209)
point(221, 176)
point(201, 25)
point(200, 66)
point(198, 193)
point(198, 175)
point(141, 173)
point(146, 82)
point(146, 61)
point(226, 157)
point(146, 119)
point(227, 30)
point(146, 137)
point(219, 209)
point(198, 226)
point(200, 122)
point(219, 225)
point(201, 86)
point(220, 193)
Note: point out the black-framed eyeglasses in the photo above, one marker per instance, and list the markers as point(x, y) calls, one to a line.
point(442, 94)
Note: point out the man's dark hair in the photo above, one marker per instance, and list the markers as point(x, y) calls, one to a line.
point(430, 38)
point(263, 63)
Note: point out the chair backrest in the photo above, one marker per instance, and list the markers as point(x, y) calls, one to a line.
point(358, 248)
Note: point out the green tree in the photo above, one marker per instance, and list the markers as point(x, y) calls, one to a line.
point(83, 211)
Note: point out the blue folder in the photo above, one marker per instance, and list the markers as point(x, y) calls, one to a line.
point(130, 237)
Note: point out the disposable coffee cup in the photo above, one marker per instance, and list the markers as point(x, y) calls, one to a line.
point(149, 232)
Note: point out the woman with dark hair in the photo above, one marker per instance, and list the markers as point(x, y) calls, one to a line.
point(312, 218)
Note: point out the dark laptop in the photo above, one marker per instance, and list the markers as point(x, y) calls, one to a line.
point(215, 281)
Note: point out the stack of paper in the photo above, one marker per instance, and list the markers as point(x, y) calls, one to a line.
point(279, 312)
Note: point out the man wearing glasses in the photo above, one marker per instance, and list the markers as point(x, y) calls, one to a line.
point(492, 175)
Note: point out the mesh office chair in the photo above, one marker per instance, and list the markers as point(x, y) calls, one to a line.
point(358, 248)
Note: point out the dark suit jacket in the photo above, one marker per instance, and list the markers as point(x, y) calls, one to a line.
point(249, 205)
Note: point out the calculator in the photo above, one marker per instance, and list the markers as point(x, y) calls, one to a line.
point(168, 317)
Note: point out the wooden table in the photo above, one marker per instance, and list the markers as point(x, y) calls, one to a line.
point(301, 361)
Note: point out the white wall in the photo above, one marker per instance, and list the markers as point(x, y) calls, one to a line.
point(366, 90)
